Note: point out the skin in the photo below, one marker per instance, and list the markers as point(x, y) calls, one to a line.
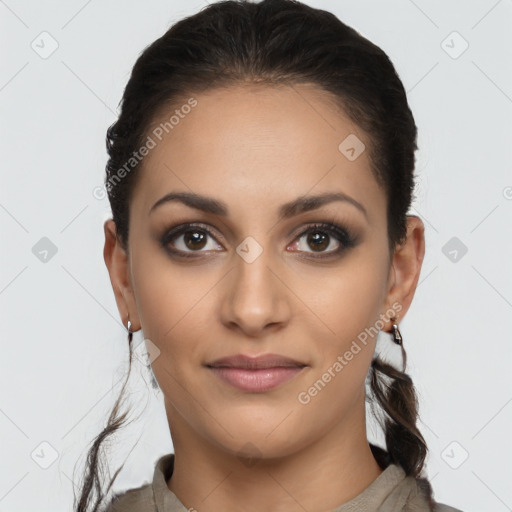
point(255, 148)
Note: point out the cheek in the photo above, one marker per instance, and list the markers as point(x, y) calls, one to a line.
point(167, 294)
point(175, 309)
point(349, 306)
point(346, 300)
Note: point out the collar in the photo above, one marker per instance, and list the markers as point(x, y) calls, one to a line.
point(390, 491)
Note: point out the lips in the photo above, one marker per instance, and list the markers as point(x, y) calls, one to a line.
point(255, 374)
point(255, 363)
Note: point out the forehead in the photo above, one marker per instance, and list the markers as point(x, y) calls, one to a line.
point(257, 143)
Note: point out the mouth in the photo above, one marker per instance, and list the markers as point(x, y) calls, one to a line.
point(256, 374)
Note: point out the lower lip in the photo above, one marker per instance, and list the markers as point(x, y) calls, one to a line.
point(262, 379)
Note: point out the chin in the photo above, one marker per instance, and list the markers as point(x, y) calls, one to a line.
point(255, 439)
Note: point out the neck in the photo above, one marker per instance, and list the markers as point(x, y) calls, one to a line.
point(319, 477)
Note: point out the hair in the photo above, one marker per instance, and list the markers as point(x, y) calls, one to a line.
point(272, 43)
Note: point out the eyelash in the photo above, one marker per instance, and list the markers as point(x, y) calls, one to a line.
point(341, 234)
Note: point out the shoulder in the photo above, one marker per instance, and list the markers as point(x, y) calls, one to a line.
point(419, 501)
point(140, 499)
point(145, 497)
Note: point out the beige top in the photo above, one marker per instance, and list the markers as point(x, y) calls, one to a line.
point(391, 491)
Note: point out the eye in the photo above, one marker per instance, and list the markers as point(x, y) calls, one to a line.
point(189, 238)
point(321, 236)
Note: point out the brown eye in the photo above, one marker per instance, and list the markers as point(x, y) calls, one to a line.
point(194, 239)
point(189, 238)
point(325, 239)
point(318, 240)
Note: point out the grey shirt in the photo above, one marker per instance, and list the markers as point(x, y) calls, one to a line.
point(391, 491)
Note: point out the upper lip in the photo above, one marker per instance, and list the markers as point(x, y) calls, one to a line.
point(251, 362)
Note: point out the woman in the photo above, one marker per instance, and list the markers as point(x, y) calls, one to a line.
point(260, 175)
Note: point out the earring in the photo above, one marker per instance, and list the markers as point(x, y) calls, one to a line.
point(397, 337)
point(130, 333)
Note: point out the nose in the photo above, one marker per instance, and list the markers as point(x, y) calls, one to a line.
point(256, 298)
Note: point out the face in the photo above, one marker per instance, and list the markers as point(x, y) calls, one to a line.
point(254, 277)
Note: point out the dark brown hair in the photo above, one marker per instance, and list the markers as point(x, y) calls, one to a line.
point(276, 42)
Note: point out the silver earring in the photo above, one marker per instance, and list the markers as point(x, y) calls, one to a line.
point(397, 337)
point(130, 333)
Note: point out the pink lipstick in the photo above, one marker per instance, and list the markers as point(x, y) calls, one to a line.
point(256, 374)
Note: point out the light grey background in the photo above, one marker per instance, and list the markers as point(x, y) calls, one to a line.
point(64, 350)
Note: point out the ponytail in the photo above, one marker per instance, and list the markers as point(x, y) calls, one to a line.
point(394, 391)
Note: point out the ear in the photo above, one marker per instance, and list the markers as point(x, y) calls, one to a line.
point(118, 266)
point(406, 267)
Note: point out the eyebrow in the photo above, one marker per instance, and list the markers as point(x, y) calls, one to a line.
point(297, 206)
